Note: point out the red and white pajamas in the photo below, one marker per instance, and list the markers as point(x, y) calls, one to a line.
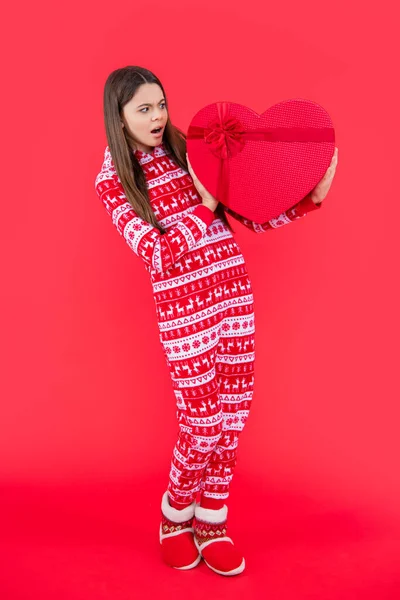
point(205, 313)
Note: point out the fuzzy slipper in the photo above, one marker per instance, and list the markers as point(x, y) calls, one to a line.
point(216, 548)
point(178, 548)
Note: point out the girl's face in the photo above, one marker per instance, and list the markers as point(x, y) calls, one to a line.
point(145, 111)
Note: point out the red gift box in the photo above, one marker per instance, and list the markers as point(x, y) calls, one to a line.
point(260, 165)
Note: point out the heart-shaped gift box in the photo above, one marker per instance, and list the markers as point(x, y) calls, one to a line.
point(260, 165)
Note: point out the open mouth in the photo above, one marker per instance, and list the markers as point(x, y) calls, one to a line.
point(157, 131)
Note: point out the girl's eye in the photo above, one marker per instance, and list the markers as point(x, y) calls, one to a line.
point(146, 107)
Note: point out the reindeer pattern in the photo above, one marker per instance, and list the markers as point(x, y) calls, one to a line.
point(205, 314)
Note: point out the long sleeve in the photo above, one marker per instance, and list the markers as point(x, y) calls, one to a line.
point(158, 251)
point(299, 210)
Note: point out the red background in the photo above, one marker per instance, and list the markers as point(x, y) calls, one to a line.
point(87, 421)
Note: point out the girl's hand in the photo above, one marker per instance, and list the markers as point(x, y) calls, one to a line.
point(207, 198)
point(322, 188)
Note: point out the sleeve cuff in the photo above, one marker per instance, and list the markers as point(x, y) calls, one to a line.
point(307, 204)
point(204, 213)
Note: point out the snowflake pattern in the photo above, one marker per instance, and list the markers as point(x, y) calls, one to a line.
point(205, 314)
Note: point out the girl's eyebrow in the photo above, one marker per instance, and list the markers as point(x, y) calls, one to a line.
point(147, 103)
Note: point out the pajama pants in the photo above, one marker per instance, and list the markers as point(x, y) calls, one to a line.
point(211, 364)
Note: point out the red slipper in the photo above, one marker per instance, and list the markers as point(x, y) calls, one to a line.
point(178, 548)
point(216, 548)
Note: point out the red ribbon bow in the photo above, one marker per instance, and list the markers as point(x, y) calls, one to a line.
point(226, 136)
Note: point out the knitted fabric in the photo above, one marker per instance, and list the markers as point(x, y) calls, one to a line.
point(168, 526)
point(209, 531)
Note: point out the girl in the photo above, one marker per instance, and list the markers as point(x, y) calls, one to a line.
point(204, 307)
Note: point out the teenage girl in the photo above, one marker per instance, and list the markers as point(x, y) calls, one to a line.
point(203, 301)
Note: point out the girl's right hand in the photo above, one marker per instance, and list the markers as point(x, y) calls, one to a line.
point(207, 198)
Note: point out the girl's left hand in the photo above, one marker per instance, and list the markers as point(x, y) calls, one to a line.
point(322, 188)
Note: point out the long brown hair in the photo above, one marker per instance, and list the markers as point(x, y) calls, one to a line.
point(121, 85)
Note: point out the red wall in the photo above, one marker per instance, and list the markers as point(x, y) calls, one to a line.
point(85, 387)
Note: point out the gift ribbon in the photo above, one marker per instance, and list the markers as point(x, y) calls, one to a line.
point(227, 135)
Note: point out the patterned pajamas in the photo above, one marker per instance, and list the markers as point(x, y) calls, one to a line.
point(205, 313)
